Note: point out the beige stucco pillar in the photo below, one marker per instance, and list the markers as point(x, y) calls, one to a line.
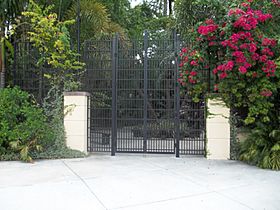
point(76, 120)
point(218, 130)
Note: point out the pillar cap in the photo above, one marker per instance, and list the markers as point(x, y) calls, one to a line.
point(76, 93)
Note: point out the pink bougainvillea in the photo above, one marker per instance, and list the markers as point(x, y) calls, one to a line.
point(246, 49)
point(240, 53)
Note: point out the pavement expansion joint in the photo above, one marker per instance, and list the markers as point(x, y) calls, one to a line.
point(85, 183)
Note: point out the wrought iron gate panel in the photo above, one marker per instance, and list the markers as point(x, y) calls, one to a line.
point(98, 81)
point(136, 102)
point(192, 126)
point(130, 96)
point(160, 96)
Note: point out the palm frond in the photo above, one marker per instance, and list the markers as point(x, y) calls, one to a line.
point(95, 19)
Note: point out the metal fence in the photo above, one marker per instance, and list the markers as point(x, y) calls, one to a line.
point(137, 105)
point(136, 102)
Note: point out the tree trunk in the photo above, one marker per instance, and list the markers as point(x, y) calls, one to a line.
point(170, 7)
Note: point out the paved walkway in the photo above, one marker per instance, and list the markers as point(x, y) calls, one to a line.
point(137, 182)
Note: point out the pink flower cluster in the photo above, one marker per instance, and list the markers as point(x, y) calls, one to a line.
point(236, 37)
point(269, 68)
point(223, 68)
point(248, 19)
point(236, 11)
point(266, 93)
point(188, 59)
point(208, 29)
point(269, 42)
point(243, 43)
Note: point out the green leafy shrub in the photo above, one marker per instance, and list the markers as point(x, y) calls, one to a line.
point(260, 151)
point(22, 124)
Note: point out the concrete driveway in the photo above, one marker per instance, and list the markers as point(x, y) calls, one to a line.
point(141, 182)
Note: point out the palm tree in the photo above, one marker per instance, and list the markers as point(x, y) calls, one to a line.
point(94, 19)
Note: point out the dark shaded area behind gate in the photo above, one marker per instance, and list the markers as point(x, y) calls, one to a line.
point(136, 104)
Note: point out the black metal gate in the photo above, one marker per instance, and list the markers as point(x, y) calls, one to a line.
point(136, 103)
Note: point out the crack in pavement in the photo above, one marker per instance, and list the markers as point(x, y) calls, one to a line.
point(85, 183)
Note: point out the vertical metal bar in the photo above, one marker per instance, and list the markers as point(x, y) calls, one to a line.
point(145, 132)
point(204, 126)
point(209, 75)
point(40, 96)
point(89, 145)
point(3, 72)
point(14, 72)
point(78, 26)
point(177, 97)
point(114, 95)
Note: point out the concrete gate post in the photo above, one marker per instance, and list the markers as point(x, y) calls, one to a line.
point(76, 120)
point(218, 130)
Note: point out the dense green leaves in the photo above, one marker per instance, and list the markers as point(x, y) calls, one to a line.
point(118, 10)
point(261, 151)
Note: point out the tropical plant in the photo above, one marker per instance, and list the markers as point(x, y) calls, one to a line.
point(95, 20)
point(260, 151)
